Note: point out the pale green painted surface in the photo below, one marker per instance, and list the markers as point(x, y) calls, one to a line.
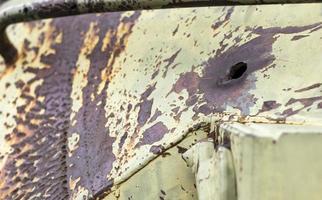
point(280, 162)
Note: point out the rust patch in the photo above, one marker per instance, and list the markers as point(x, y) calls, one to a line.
point(145, 106)
point(316, 28)
point(157, 149)
point(93, 159)
point(309, 87)
point(153, 134)
point(256, 53)
point(306, 102)
point(269, 105)
point(123, 138)
point(155, 116)
point(298, 37)
point(181, 150)
point(219, 22)
point(42, 125)
point(176, 110)
point(145, 111)
point(175, 30)
point(320, 105)
point(169, 62)
point(38, 164)
point(188, 81)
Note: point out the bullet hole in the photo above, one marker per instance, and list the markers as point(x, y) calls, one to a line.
point(237, 70)
point(25, 10)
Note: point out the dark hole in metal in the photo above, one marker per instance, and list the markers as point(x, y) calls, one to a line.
point(25, 10)
point(237, 70)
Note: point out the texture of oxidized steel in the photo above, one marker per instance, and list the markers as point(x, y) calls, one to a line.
point(94, 98)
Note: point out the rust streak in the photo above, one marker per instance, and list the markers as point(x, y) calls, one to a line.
point(316, 85)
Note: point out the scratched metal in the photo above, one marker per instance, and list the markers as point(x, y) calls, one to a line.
point(93, 98)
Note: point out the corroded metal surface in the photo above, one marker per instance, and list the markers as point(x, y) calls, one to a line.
point(166, 177)
point(94, 98)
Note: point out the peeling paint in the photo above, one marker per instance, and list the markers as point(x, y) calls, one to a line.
point(94, 98)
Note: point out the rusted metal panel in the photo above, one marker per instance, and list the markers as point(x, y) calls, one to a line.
point(93, 98)
point(166, 177)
